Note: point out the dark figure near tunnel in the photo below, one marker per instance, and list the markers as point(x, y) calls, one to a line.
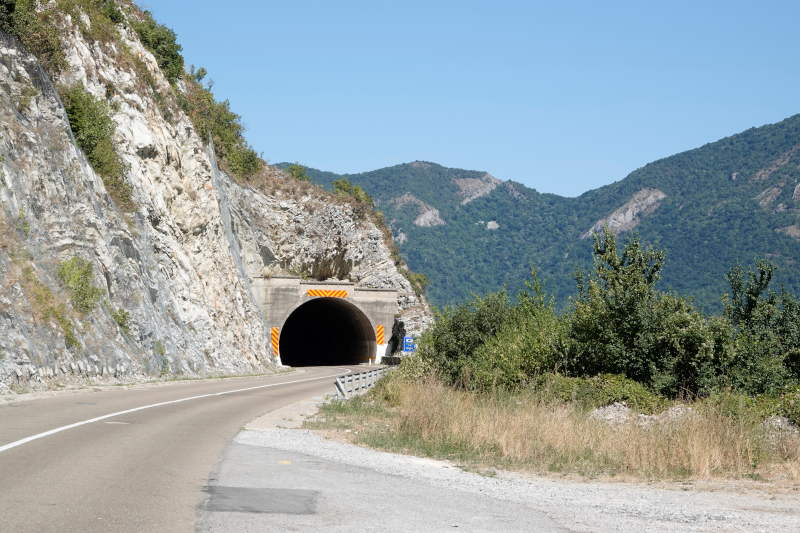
point(327, 331)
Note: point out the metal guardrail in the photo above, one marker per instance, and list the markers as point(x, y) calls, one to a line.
point(349, 385)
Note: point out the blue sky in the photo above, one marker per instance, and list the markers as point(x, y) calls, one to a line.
point(561, 96)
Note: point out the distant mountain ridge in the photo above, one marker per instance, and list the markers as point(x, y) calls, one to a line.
point(722, 203)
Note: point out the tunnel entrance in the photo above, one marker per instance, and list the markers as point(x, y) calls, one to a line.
point(327, 331)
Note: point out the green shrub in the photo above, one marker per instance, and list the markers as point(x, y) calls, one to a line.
point(46, 306)
point(361, 201)
point(766, 356)
point(160, 40)
point(216, 122)
point(298, 172)
point(419, 282)
point(110, 9)
point(122, 318)
point(91, 123)
point(22, 223)
point(243, 161)
point(65, 324)
point(413, 368)
point(103, 17)
point(7, 8)
point(344, 187)
point(36, 29)
point(530, 342)
point(35, 23)
point(26, 96)
point(598, 391)
point(450, 344)
point(757, 363)
point(789, 405)
point(747, 289)
point(162, 360)
point(742, 407)
point(76, 275)
point(622, 325)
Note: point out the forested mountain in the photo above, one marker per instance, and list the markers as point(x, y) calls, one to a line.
point(726, 202)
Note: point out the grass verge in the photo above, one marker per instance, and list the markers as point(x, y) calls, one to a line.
point(528, 433)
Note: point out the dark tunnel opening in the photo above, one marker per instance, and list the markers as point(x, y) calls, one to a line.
point(327, 331)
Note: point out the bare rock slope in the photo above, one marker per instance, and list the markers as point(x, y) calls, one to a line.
point(629, 215)
point(428, 216)
point(171, 277)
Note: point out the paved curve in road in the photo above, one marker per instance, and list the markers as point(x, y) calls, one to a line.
point(141, 470)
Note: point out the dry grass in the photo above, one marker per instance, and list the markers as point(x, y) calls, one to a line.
point(522, 432)
point(6, 239)
point(274, 181)
point(46, 306)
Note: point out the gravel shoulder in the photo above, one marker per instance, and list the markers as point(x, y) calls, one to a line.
point(336, 486)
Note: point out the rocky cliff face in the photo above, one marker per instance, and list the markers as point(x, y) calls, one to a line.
point(170, 279)
point(298, 229)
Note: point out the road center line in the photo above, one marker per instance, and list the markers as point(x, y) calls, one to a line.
point(44, 434)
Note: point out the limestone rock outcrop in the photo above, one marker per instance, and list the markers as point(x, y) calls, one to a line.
point(628, 216)
point(428, 216)
point(792, 231)
point(470, 189)
point(173, 275)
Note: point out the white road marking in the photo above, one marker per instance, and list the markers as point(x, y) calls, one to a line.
point(44, 434)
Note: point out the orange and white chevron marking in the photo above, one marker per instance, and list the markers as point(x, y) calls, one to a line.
point(276, 335)
point(327, 293)
point(379, 334)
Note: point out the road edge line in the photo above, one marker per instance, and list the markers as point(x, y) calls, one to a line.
point(53, 431)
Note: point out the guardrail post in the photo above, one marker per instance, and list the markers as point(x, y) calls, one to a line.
point(340, 387)
point(348, 385)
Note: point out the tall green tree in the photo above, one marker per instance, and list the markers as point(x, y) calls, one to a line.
point(767, 352)
point(622, 324)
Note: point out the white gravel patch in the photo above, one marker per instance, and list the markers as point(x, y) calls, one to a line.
point(578, 506)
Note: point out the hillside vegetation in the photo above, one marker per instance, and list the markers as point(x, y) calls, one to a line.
point(630, 380)
point(728, 202)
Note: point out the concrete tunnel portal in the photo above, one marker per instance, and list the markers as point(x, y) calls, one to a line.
point(327, 331)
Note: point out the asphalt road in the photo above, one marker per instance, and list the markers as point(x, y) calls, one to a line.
point(260, 489)
point(139, 471)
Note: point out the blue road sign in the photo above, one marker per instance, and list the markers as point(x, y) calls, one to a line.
point(408, 344)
